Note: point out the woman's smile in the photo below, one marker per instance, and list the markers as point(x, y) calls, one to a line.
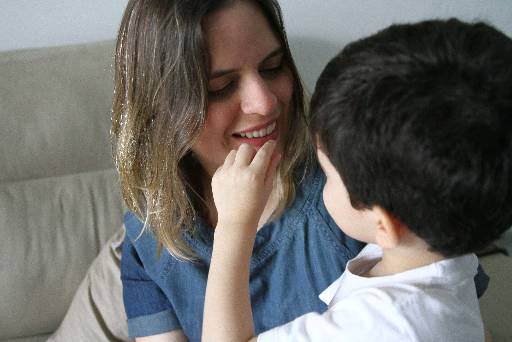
point(257, 136)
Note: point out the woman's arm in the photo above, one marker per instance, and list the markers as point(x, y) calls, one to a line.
point(241, 188)
point(142, 296)
point(173, 336)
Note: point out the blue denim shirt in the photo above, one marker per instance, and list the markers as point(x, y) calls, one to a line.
point(295, 258)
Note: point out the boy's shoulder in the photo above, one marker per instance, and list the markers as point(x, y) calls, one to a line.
point(389, 309)
point(445, 288)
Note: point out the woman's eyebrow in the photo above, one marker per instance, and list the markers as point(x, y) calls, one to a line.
point(219, 73)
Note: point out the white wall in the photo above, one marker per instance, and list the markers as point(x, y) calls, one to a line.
point(317, 28)
point(38, 23)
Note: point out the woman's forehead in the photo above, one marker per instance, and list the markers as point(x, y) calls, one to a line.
point(237, 35)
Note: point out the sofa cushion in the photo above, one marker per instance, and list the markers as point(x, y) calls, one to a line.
point(97, 312)
point(38, 338)
point(55, 111)
point(496, 304)
point(51, 228)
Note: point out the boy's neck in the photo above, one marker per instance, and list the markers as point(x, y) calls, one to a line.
point(403, 258)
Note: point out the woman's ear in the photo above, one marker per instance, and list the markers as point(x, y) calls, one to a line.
point(389, 229)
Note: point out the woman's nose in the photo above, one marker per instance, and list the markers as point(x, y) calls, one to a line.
point(258, 97)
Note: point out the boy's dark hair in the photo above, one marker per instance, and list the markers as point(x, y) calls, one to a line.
point(418, 120)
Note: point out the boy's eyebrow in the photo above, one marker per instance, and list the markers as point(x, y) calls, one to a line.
point(220, 73)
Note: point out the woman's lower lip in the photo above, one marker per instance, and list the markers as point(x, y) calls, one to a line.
point(258, 142)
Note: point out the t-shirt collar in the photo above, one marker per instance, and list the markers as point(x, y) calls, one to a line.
point(442, 272)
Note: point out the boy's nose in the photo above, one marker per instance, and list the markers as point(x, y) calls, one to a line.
point(258, 98)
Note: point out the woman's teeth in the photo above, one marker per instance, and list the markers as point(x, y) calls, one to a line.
point(259, 133)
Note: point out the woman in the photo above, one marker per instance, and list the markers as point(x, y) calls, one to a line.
point(194, 80)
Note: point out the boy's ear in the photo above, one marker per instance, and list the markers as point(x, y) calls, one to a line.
point(389, 229)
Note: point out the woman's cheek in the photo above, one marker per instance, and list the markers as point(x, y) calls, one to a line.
point(284, 92)
point(285, 87)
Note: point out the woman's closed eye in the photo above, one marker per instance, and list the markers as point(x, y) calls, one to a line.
point(223, 86)
point(273, 70)
point(223, 91)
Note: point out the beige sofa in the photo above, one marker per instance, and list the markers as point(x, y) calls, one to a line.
point(60, 203)
point(59, 195)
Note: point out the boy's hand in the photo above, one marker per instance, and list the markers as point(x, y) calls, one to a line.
point(242, 185)
point(241, 188)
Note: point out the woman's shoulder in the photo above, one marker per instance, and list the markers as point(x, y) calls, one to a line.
point(139, 235)
point(318, 222)
point(133, 225)
point(308, 193)
point(143, 239)
point(309, 187)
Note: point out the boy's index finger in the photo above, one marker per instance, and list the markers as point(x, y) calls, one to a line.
point(263, 156)
point(230, 159)
point(244, 155)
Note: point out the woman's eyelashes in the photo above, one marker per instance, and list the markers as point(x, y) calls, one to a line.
point(268, 72)
point(223, 92)
point(272, 71)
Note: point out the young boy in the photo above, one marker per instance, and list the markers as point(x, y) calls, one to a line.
point(414, 133)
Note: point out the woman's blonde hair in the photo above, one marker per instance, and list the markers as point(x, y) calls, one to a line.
point(159, 108)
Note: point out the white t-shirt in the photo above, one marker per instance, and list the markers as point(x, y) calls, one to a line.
point(435, 303)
